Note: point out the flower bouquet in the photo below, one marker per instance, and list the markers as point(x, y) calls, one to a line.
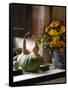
point(53, 37)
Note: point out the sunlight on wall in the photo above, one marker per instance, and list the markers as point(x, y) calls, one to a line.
point(18, 43)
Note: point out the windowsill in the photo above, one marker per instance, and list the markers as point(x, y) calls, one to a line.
point(51, 76)
point(34, 75)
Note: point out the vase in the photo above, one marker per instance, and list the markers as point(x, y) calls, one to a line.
point(46, 55)
point(58, 59)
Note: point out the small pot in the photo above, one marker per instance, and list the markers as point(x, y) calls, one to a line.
point(58, 59)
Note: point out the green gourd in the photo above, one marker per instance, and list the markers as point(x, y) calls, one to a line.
point(31, 62)
point(16, 59)
point(15, 65)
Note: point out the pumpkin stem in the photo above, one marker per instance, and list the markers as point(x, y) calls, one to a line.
point(24, 46)
point(24, 43)
point(26, 34)
point(35, 48)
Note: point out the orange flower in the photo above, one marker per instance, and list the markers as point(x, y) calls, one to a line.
point(62, 43)
point(55, 43)
point(55, 24)
point(62, 29)
point(54, 35)
point(52, 44)
point(47, 29)
point(55, 38)
point(61, 50)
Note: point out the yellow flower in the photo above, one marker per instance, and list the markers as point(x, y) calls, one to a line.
point(47, 29)
point(55, 43)
point(53, 32)
point(55, 24)
point(51, 44)
point(52, 35)
point(62, 29)
point(55, 38)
